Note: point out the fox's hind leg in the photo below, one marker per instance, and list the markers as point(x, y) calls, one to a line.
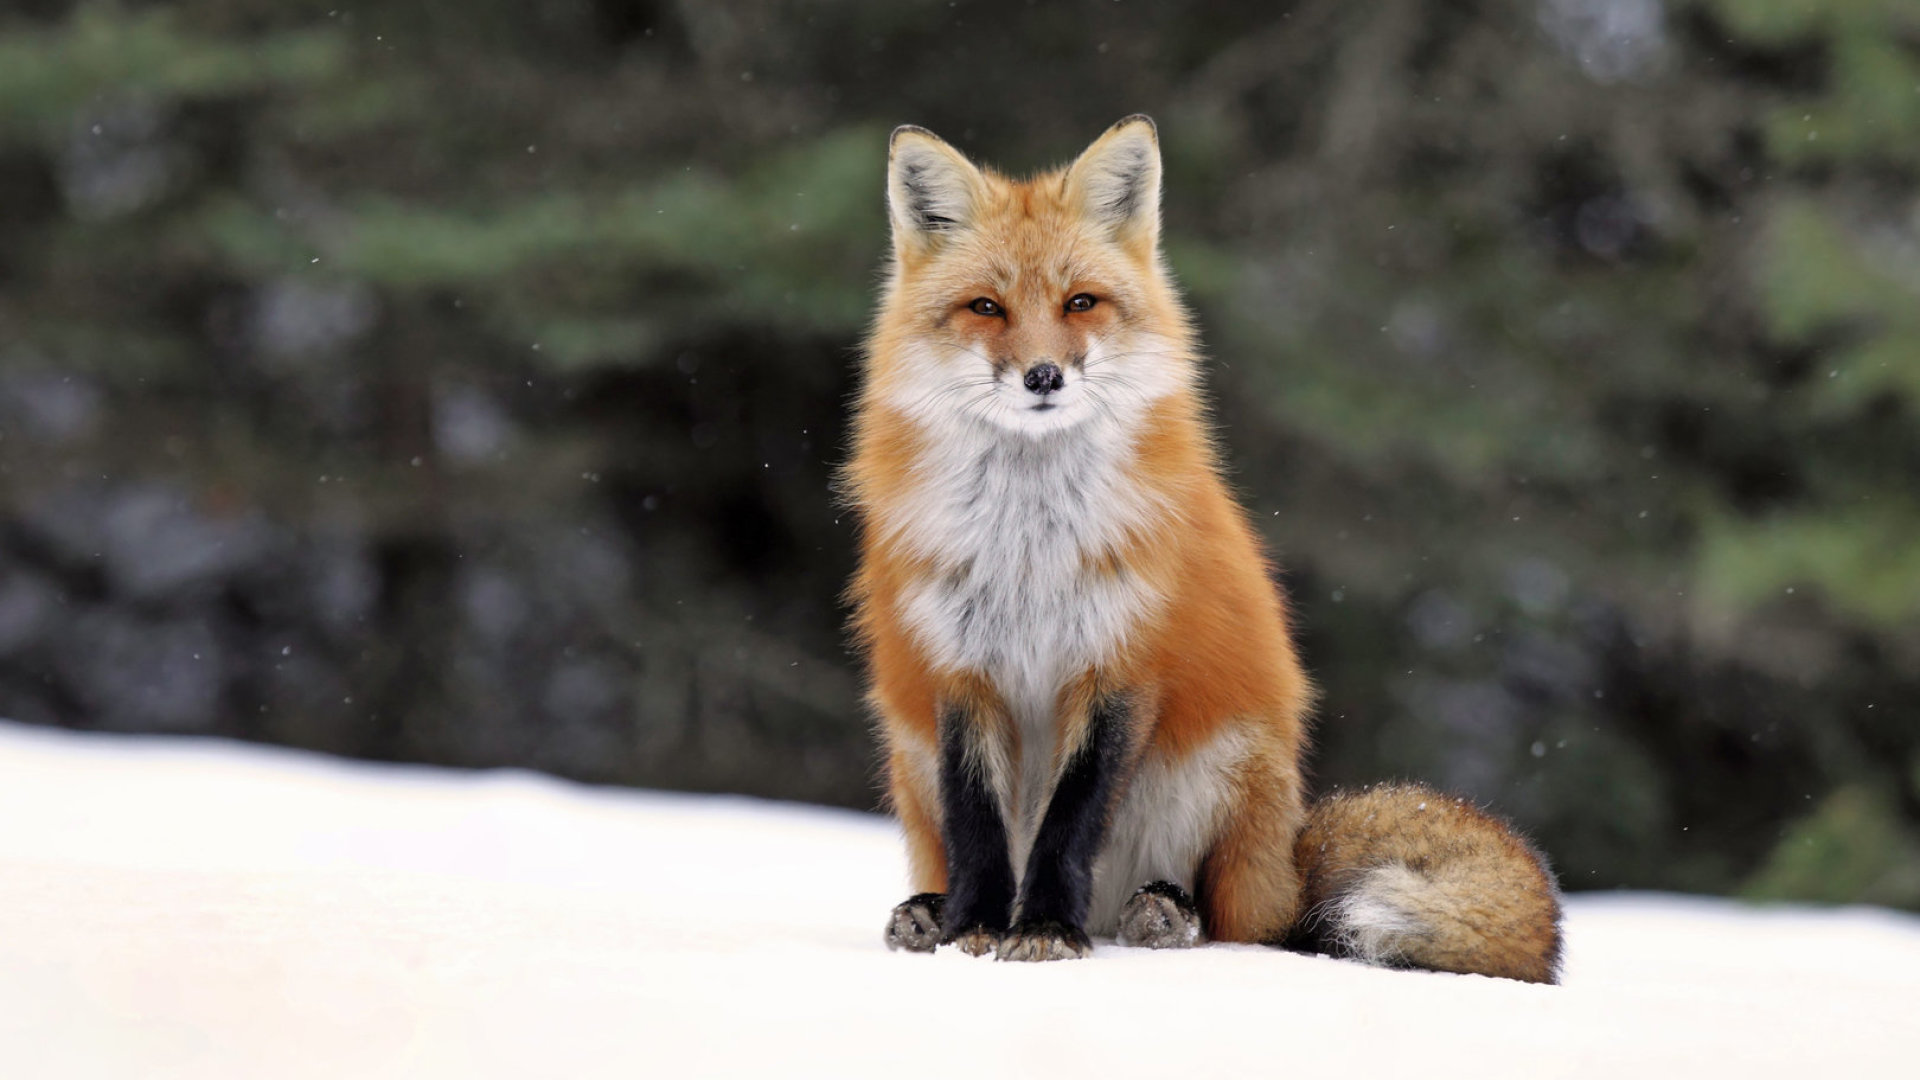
point(915, 922)
point(1160, 916)
point(1249, 885)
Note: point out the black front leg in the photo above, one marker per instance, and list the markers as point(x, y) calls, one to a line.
point(1059, 880)
point(979, 870)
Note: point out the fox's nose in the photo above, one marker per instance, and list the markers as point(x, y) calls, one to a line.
point(1044, 378)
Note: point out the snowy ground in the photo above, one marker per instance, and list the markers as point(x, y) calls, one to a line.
point(198, 909)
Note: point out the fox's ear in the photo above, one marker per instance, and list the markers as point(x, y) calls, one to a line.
point(1117, 181)
point(932, 189)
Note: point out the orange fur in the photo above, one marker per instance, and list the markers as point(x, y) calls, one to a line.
point(1209, 661)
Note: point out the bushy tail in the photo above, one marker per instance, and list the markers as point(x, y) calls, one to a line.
point(1403, 875)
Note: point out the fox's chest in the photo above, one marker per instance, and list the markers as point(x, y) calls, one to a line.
point(1026, 586)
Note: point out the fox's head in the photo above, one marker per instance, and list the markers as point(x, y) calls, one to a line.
point(1031, 306)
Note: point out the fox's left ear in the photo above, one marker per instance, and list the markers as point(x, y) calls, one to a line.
point(1117, 181)
point(933, 191)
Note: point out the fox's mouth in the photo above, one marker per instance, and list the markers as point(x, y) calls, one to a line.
point(1043, 406)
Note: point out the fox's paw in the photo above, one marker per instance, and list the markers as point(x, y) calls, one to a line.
point(915, 922)
point(1160, 916)
point(976, 941)
point(1044, 939)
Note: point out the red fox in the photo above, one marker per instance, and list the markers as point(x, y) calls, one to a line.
point(1092, 710)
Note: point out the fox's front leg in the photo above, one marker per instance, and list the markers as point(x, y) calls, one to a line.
point(1050, 923)
point(979, 870)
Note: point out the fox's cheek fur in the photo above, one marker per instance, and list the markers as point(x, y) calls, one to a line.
point(1114, 378)
point(1130, 371)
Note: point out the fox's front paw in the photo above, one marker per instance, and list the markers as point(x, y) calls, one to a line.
point(1044, 939)
point(976, 941)
point(1160, 916)
point(915, 922)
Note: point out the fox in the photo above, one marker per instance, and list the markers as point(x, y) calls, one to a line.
point(1090, 707)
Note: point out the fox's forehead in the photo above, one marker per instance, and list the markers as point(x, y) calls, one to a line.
point(1027, 237)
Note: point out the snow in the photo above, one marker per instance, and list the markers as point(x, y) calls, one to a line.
point(176, 908)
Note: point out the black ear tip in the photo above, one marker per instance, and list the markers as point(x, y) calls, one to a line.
point(893, 140)
point(1139, 118)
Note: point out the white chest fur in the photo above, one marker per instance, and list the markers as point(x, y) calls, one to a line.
point(1014, 527)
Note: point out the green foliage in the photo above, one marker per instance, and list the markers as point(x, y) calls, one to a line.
point(750, 248)
point(47, 74)
point(1861, 558)
point(1852, 543)
point(1871, 106)
point(1574, 380)
point(1852, 848)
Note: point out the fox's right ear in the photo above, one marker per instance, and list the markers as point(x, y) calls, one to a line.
point(1116, 182)
point(932, 189)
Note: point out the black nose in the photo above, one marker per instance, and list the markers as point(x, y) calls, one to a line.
point(1044, 379)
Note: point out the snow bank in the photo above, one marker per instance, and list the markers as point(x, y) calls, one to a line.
point(200, 909)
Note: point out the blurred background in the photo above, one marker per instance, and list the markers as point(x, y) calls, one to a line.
point(463, 382)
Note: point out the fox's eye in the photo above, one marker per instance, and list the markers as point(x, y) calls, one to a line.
point(1081, 302)
point(984, 306)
